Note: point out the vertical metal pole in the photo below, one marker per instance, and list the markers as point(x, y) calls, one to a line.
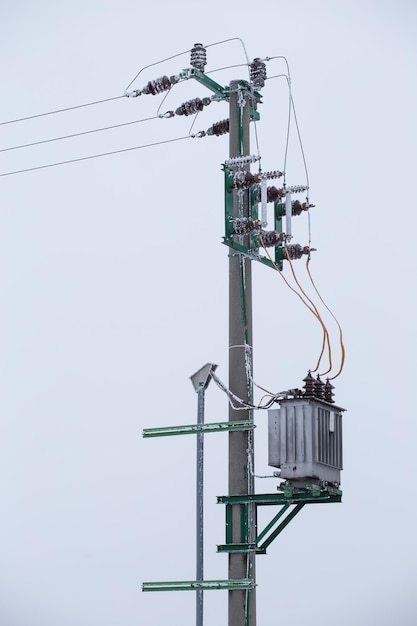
point(200, 509)
point(242, 607)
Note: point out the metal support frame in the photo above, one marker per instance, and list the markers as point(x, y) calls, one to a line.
point(238, 242)
point(287, 498)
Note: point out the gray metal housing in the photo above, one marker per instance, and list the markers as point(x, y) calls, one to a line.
point(305, 441)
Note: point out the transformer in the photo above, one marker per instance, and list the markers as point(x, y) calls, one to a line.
point(305, 441)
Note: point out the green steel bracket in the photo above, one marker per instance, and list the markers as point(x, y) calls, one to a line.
point(223, 93)
point(200, 585)
point(237, 547)
point(193, 429)
point(209, 83)
point(287, 497)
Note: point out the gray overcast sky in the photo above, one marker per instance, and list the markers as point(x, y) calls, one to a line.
point(114, 291)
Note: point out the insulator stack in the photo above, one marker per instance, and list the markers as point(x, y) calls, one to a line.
point(297, 207)
point(273, 174)
point(244, 180)
point(244, 225)
point(192, 106)
point(159, 85)
point(271, 238)
point(295, 251)
point(328, 392)
point(198, 57)
point(241, 160)
point(257, 73)
point(309, 385)
point(296, 189)
point(219, 128)
point(319, 388)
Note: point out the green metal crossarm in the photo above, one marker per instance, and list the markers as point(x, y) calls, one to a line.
point(200, 585)
point(192, 429)
point(236, 547)
point(209, 83)
point(292, 497)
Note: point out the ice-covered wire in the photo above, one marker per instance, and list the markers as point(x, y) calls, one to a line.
point(238, 404)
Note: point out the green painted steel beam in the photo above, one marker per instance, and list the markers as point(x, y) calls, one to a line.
point(199, 585)
point(237, 547)
point(291, 497)
point(209, 83)
point(193, 429)
point(272, 523)
point(281, 526)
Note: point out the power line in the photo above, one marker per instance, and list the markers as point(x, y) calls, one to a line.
point(94, 156)
point(86, 132)
point(78, 106)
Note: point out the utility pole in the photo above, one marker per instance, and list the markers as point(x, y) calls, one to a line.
point(305, 432)
point(242, 606)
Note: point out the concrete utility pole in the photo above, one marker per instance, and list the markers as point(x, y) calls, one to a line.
point(242, 605)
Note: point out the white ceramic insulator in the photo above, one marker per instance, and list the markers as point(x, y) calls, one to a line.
point(288, 215)
point(264, 206)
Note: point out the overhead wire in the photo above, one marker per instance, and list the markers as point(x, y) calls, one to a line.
point(78, 106)
point(86, 132)
point(94, 156)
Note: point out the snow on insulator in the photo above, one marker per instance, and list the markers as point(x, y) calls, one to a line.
point(257, 73)
point(244, 180)
point(219, 128)
point(272, 194)
point(296, 189)
point(241, 160)
point(273, 174)
point(159, 85)
point(296, 251)
point(198, 57)
point(272, 238)
point(244, 225)
point(297, 207)
point(133, 94)
point(192, 106)
point(264, 200)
